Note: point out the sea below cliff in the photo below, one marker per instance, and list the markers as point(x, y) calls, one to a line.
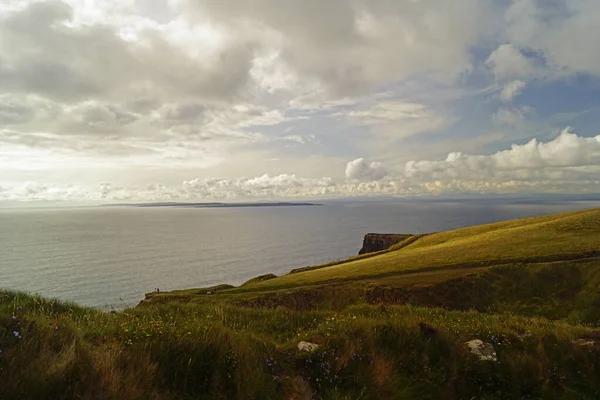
point(108, 257)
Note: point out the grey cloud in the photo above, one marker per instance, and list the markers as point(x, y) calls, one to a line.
point(362, 170)
point(353, 46)
point(177, 114)
point(40, 54)
point(548, 40)
point(23, 111)
point(143, 104)
point(31, 139)
point(511, 116)
point(185, 112)
point(12, 113)
point(99, 114)
point(94, 117)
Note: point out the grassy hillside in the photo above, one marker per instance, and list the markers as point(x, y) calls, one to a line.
point(392, 325)
point(548, 238)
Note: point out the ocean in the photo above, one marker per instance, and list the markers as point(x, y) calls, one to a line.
point(109, 257)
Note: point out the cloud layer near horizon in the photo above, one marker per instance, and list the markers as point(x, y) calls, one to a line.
point(568, 161)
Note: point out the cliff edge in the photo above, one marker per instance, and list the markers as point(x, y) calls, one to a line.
point(374, 242)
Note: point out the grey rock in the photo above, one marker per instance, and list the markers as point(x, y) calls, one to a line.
point(485, 351)
point(307, 346)
point(586, 342)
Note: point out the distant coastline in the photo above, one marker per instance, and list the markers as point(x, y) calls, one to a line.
point(213, 205)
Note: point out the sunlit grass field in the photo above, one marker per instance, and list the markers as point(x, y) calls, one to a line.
point(554, 237)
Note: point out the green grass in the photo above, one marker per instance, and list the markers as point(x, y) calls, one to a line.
point(530, 287)
point(185, 351)
point(555, 237)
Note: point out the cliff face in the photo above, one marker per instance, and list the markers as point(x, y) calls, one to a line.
point(380, 241)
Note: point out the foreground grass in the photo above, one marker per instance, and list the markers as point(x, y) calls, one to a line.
point(178, 351)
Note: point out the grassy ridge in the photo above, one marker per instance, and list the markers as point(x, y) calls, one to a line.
point(559, 236)
point(389, 326)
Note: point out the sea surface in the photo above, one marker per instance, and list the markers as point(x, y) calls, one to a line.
point(109, 257)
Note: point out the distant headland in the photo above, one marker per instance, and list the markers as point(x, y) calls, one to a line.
point(213, 205)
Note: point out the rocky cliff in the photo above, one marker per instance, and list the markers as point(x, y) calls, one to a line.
point(380, 241)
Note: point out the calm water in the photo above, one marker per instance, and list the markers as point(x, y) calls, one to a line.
point(110, 257)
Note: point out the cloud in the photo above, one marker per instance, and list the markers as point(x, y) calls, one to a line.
point(264, 186)
point(189, 88)
point(511, 90)
point(566, 157)
point(12, 113)
point(362, 170)
point(508, 62)
point(45, 51)
point(400, 38)
point(393, 119)
point(565, 164)
point(388, 111)
point(562, 33)
point(511, 116)
point(298, 138)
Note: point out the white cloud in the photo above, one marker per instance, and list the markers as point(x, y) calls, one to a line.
point(511, 90)
point(298, 138)
point(562, 32)
point(362, 170)
point(508, 62)
point(388, 111)
point(566, 157)
point(393, 119)
point(264, 186)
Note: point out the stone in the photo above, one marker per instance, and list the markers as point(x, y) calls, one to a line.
point(485, 351)
point(586, 342)
point(307, 346)
point(525, 335)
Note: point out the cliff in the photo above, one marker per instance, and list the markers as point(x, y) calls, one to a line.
point(374, 242)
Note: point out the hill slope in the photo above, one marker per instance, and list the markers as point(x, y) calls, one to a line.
point(550, 238)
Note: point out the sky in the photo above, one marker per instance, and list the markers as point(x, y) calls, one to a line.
point(111, 101)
